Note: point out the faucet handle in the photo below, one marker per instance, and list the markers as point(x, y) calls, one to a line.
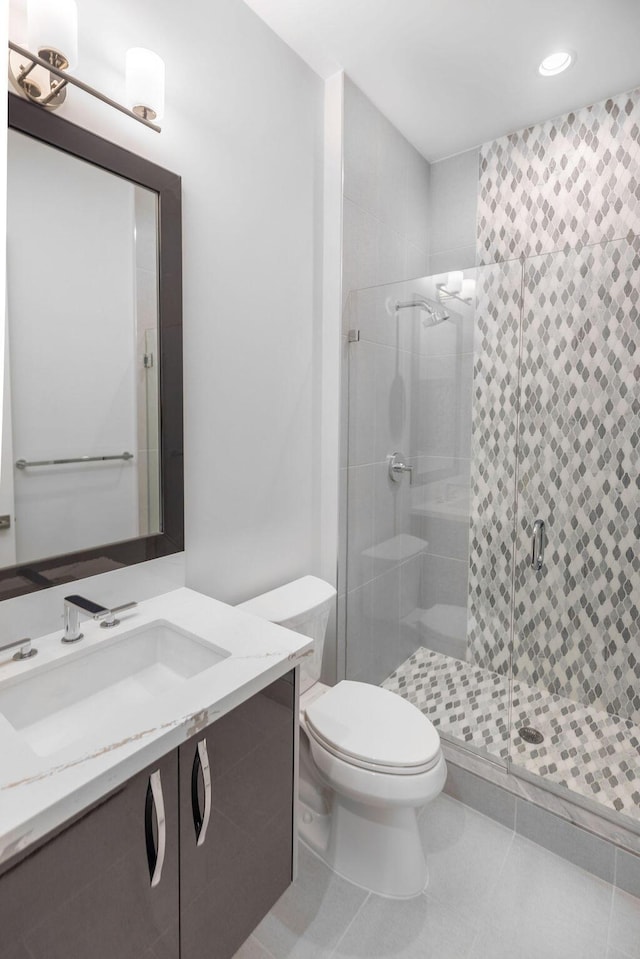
point(26, 650)
point(110, 618)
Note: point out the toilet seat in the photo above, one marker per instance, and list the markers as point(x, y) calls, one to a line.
point(374, 729)
point(372, 766)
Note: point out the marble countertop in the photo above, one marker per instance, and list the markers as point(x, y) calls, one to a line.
point(40, 793)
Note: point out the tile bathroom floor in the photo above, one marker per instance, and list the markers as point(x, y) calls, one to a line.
point(586, 750)
point(491, 895)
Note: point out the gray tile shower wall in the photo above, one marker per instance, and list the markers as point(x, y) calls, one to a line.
point(494, 422)
point(562, 184)
point(561, 189)
point(579, 445)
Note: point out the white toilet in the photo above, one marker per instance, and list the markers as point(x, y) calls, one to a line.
point(369, 760)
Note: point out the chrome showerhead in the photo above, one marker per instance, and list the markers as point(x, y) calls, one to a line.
point(434, 311)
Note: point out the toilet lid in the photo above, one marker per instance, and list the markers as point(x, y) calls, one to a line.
point(373, 725)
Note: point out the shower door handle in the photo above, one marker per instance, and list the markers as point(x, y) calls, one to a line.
point(537, 545)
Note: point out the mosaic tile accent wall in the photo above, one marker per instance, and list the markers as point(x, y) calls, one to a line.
point(562, 184)
point(493, 459)
point(578, 621)
point(554, 189)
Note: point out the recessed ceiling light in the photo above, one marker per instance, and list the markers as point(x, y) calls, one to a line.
point(555, 63)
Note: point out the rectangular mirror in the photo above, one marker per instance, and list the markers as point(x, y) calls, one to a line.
point(91, 470)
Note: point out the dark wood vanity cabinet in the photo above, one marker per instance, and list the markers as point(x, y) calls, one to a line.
point(96, 891)
point(234, 866)
point(87, 894)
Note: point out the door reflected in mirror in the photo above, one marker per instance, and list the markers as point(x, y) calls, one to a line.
point(81, 380)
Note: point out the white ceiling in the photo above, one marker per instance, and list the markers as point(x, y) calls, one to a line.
point(451, 74)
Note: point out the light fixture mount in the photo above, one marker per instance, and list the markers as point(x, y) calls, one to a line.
point(146, 113)
point(54, 58)
point(35, 81)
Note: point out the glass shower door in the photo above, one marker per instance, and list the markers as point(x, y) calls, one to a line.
point(576, 640)
point(441, 396)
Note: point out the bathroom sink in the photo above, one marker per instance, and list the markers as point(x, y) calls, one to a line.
point(73, 699)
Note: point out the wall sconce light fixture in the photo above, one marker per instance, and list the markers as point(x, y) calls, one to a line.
point(145, 83)
point(42, 76)
point(52, 30)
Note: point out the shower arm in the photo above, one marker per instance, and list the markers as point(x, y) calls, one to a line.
point(422, 304)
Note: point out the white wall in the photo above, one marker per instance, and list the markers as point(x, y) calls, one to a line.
point(247, 140)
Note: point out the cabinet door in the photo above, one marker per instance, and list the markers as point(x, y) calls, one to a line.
point(88, 893)
point(236, 822)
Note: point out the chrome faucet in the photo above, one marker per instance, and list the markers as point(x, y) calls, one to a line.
point(74, 605)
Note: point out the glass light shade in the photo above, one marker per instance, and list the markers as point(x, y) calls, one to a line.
point(468, 289)
point(145, 83)
point(52, 27)
point(454, 281)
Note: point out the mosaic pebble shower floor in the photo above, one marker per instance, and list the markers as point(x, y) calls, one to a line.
point(588, 751)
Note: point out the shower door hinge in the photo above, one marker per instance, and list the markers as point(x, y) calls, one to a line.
point(354, 336)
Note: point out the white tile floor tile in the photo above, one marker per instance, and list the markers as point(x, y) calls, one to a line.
point(491, 895)
point(252, 950)
point(544, 906)
point(417, 928)
point(466, 852)
point(624, 934)
point(308, 921)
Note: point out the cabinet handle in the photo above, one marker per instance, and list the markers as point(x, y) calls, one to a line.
point(201, 819)
point(155, 801)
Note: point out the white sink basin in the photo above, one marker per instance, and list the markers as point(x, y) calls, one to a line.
point(68, 701)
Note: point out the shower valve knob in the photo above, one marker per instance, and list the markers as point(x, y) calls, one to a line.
point(398, 466)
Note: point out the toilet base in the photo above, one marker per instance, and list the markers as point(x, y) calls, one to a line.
point(376, 848)
point(372, 843)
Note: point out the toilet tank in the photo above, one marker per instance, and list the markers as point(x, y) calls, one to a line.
point(303, 606)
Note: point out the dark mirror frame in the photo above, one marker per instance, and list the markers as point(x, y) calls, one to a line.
point(36, 122)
